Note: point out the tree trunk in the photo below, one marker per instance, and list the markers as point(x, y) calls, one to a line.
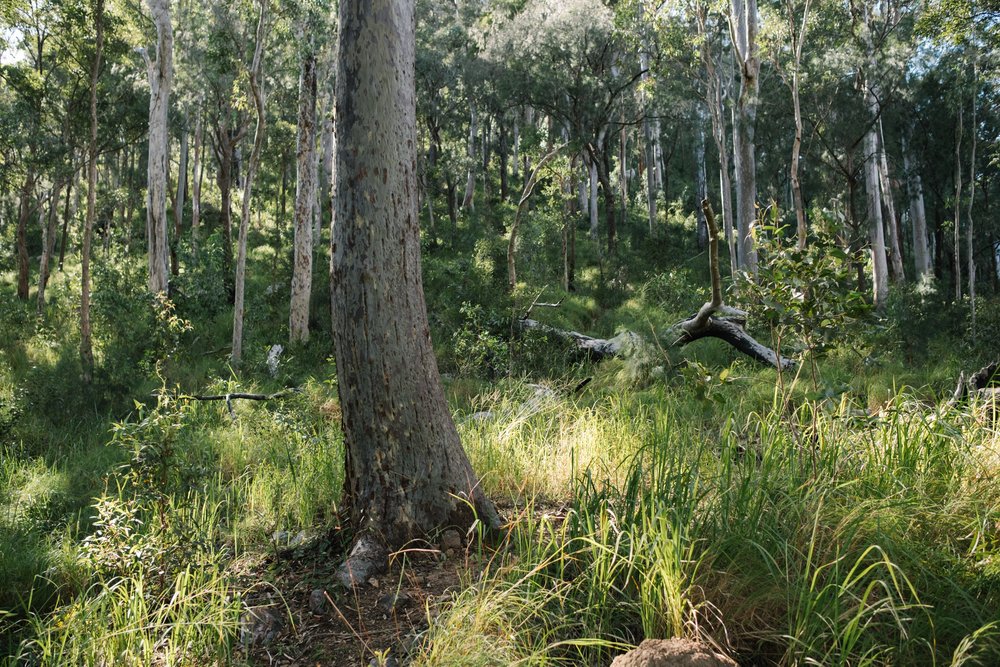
point(603, 161)
point(255, 77)
point(25, 210)
point(179, 202)
point(743, 20)
point(880, 267)
point(885, 184)
point(224, 179)
point(468, 201)
point(701, 182)
point(86, 348)
point(406, 471)
point(160, 74)
point(48, 245)
point(970, 228)
point(196, 171)
point(594, 231)
point(305, 199)
point(918, 215)
point(957, 239)
point(650, 152)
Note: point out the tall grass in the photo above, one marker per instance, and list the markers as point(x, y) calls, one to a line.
point(822, 534)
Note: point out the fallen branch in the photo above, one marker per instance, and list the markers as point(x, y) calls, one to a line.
point(981, 383)
point(713, 320)
point(596, 348)
point(230, 397)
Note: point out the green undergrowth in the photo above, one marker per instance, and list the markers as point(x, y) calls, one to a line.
point(825, 534)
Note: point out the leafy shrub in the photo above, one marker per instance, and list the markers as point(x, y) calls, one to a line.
point(480, 345)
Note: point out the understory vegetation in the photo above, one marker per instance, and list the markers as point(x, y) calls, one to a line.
point(842, 513)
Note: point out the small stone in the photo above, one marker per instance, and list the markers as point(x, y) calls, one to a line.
point(394, 601)
point(318, 602)
point(373, 582)
point(450, 539)
point(260, 625)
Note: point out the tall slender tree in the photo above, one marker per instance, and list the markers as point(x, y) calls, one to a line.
point(255, 76)
point(305, 191)
point(160, 73)
point(86, 346)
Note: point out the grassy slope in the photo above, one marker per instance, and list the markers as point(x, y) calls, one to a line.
point(855, 529)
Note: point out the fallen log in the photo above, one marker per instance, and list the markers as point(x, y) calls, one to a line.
point(981, 383)
point(713, 320)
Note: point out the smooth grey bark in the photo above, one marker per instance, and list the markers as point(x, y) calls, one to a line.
point(798, 39)
point(743, 27)
point(255, 79)
point(918, 215)
point(405, 472)
point(716, 108)
point(650, 150)
point(305, 201)
point(885, 184)
point(196, 174)
point(160, 74)
point(86, 346)
point(880, 266)
point(179, 202)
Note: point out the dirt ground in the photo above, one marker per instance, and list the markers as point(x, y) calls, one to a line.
point(317, 622)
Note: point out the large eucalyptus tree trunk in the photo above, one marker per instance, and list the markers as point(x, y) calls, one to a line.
point(918, 215)
point(880, 265)
point(255, 76)
point(743, 20)
point(305, 201)
point(406, 471)
point(892, 227)
point(160, 73)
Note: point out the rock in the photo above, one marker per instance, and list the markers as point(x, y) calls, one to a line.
point(393, 601)
point(367, 558)
point(450, 539)
point(674, 652)
point(260, 625)
point(318, 603)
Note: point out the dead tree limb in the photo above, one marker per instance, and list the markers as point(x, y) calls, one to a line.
point(981, 383)
point(713, 320)
point(229, 398)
